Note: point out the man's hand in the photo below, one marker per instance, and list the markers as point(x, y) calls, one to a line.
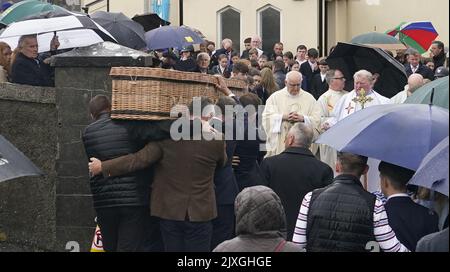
point(222, 86)
point(325, 126)
point(235, 161)
point(95, 166)
point(54, 43)
point(295, 117)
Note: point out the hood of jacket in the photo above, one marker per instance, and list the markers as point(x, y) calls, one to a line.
point(259, 210)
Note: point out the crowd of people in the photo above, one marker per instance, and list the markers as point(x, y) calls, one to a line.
point(229, 195)
point(226, 193)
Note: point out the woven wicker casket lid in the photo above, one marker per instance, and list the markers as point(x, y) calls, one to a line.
point(142, 93)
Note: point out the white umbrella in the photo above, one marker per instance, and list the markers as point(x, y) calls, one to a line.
point(73, 31)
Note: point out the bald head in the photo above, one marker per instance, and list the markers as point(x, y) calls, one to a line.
point(415, 81)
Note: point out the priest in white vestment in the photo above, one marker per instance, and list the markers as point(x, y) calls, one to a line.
point(286, 107)
point(336, 83)
point(348, 104)
point(415, 81)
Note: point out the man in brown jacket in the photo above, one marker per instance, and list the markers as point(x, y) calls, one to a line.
point(183, 188)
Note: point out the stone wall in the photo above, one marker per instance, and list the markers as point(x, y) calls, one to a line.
point(46, 124)
point(27, 212)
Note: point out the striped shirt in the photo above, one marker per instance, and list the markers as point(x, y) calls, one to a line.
point(383, 233)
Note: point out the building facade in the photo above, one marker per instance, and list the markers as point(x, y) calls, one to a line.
point(315, 23)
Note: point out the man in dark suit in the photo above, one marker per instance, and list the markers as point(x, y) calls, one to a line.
point(415, 66)
point(309, 68)
point(409, 220)
point(29, 68)
point(225, 184)
point(295, 172)
point(319, 83)
point(183, 195)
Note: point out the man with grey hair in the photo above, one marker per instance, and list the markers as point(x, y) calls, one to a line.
point(415, 81)
point(362, 96)
point(28, 68)
point(286, 107)
point(227, 49)
point(256, 43)
point(203, 61)
point(295, 172)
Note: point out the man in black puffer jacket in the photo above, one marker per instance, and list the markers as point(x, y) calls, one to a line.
point(121, 203)
point(344, 217)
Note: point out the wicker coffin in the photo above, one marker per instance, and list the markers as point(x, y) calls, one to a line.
point(142, 93)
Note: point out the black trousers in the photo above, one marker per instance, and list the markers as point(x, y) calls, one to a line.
point(129, 229)
point(185, 236)
point(223, 225)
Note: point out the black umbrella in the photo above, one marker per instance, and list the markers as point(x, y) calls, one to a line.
point(150, 21)
point(350, 58)
point(126, 31)
point(13, 163)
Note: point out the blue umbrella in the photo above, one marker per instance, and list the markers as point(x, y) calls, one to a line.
point(401, 134)
point(171, 37)
point(433, 171)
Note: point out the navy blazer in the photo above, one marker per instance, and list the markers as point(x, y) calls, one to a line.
point(307, 74)
point(409, 220)
point(423, 70)
point(318, 87)
point(291, 175)
point(31, 72)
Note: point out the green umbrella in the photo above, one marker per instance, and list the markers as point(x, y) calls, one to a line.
point(434, 92)
point(374, 38)
point(23, 9)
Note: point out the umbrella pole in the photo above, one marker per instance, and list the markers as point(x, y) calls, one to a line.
point(432, 96)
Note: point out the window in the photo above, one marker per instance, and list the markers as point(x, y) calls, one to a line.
point(269, 22)
point(229, 24)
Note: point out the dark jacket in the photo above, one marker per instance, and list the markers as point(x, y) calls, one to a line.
point(183, 184)
point(409, 220)
point(280, 78)
point(105, 139)
point(188, 65)
point(434, 242)
point(292, 174)
point(423, 70)
point(225, 184)
point(439, 60)
point(247, 173)
point(31, 72)
point(340, 217)
point(307, 74)
point(260, 223)
point(318, 87)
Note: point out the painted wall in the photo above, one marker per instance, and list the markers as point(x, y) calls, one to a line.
point(381, 15)
point(298, 19)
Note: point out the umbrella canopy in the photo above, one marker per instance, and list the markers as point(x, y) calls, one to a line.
point(73, 31)
point(400, 134)
point(374, 38)
point(13, 163)
point(22, 9)
point(126, 31)
point(380, 40)
point(150, 21)
point(418, 35)
point(171, 36)
point(433, 171)
point(350, 58)
point(434, 92)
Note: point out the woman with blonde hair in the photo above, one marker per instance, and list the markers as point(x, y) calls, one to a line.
point(5, 61)
point(267, 86)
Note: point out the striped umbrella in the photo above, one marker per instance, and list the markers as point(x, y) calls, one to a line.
point(418, 35)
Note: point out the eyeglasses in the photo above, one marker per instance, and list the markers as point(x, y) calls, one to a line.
point(294, 85)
